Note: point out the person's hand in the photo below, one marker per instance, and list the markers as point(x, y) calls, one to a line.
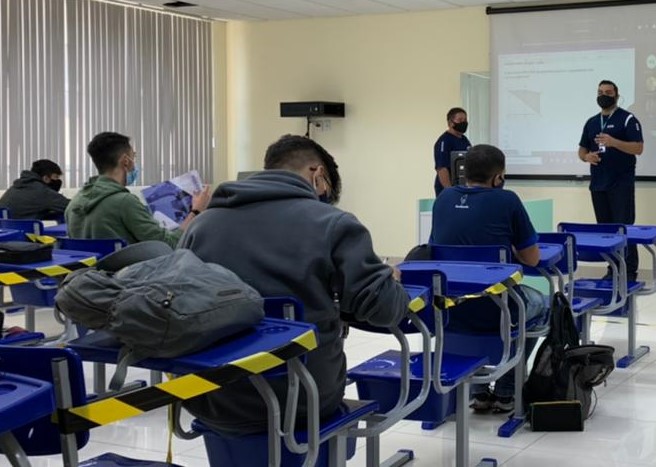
point(201, 199)
point(604, 139)
point(396, 273)
point(593, 158)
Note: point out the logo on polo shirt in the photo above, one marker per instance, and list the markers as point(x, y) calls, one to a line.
point(463, 203)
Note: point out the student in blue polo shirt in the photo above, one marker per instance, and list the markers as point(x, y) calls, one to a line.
point(453, 139)
point(610, 142)
point(483, 213)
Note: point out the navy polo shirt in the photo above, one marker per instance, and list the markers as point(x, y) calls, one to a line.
point(616, 166)
point(481, 216)
point(442, 153)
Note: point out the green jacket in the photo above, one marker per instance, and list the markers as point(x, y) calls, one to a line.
point(106, 209)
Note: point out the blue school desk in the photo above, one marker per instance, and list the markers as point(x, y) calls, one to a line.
point(7, 235)
point(620, 296)
point(22, 400)
point(58, 230)
point(464, 279)
point(270, 343)
point(645, 235)
point(62, 263)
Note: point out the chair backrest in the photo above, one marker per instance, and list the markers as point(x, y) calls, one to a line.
point(102, 246)
point(477, 253)
point(593, 228)
point(4, 213)
point(34, 226)
point(41, 437)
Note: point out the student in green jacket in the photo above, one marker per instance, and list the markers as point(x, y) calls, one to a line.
point(105, 208)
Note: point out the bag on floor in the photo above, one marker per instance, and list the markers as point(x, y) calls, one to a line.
point(564, 370)
point(164, 307)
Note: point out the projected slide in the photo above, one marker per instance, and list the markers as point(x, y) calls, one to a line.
point(545, 98)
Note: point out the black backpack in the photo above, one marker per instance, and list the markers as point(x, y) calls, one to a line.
point(564, 370)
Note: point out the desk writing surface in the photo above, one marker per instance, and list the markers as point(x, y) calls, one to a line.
point(599, 242)
point(7, 235)
point(59, 230)
point(268, 335)
point(23, 400)
point(641, 234)
point(464, 277)
point(59, 258)
point(550, 255)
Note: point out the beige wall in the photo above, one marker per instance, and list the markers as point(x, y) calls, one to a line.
point(398, 75)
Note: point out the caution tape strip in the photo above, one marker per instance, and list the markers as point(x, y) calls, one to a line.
point(44, 239)
point(30, 275)
point(135, 403)
point(444, 302)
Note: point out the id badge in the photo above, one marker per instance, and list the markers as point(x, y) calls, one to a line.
point(602, 148)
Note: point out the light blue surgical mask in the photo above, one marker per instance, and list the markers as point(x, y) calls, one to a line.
point(132, 176)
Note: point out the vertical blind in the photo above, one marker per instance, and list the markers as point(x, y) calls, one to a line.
point(74, 68)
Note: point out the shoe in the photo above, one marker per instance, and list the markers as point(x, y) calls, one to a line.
point(482, 402)
point(503, 404)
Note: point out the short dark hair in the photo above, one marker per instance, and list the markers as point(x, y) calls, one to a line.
point(45, 168)
point(293, 152)
point(483, 162)
point(453, 112)
point(106, 148)
point(609, 83)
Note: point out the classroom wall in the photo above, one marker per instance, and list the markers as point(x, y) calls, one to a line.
point(398, 75)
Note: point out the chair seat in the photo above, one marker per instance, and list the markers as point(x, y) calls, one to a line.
point(602, 288)
point(114, 460)
point(582, 304)
point(350, 411)
point(30, 294)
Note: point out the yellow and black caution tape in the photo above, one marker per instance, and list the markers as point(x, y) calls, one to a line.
point(135, 403)
point(44, 239)
point(443, 302)
point(30, 275)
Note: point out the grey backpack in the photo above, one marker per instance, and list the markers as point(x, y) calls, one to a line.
point(164, 307)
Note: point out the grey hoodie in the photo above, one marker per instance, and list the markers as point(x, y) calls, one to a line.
point(30, 198)
point(278, 237)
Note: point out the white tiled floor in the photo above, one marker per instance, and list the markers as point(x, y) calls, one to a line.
point(621, 432)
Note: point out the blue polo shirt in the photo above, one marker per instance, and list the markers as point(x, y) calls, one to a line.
point(442, 153)
point(481, 216)
point(616, 167)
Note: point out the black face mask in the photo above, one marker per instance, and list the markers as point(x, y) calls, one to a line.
point(605, 102)
point(460, 127)
point(55, 184)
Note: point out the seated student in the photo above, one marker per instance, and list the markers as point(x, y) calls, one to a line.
point(35, 195)
point(105, 208)
point(483, 213)
point(274, 231)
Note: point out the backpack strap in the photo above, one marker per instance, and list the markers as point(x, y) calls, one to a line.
point(126, 358)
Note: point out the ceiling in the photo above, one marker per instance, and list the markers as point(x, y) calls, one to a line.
point(262, 10)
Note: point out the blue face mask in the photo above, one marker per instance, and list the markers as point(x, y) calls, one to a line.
point(132, 176)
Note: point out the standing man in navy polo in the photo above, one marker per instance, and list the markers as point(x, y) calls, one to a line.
point(610, 142)
point(453, 139)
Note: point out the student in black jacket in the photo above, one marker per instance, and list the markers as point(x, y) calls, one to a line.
point(35, 195)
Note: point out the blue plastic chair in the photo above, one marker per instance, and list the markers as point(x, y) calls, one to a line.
point(42, 437)
point(483, 344)
point(567, 266)
point(252, 451)
point(618, 296)
point(34, 226)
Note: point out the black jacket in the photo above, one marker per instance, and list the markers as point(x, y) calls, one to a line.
point(30, 198)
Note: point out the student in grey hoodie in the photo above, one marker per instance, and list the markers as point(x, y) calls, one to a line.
point(275, 232)
point(105, 208)
point(35, 195)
